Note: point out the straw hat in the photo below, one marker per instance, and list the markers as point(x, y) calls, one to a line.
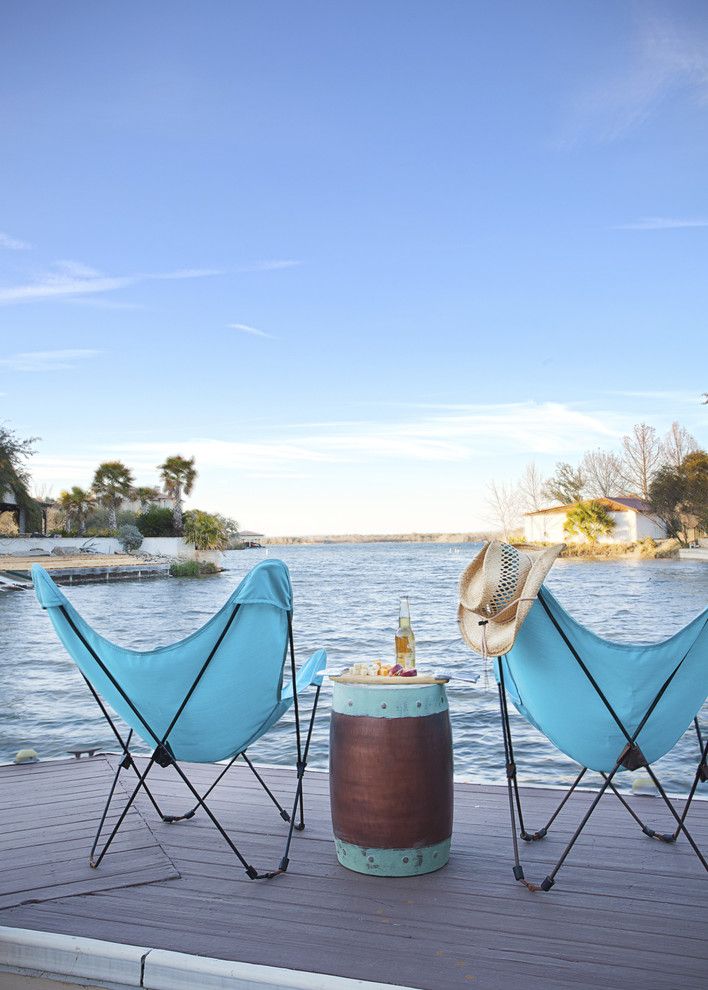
point(498, 588)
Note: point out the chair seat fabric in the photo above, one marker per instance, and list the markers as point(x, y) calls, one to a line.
point(550, 689)
point(241, 693)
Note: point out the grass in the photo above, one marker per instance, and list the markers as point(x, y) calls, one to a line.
point(192, 568)
point(643, 549)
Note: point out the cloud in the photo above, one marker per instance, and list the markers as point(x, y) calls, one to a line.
point(96, 303)
point(667, 58)
point(73, 279)
point(455, 435)
point(12, 243)
point(253, 331)
point(269, 266)
point(668, 395)
point(661, 223)
point(75, 269)
point(32, 361)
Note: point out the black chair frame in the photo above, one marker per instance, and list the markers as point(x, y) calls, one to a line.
point(162, 756)
point(630, 758)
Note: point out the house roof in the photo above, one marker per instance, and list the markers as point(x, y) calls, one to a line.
point(628, 503)
point(249, 533)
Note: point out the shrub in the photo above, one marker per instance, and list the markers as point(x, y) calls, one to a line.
point(156, 521)
point(126, 517)
point(648, 547)
point(130, 538)
point(184, 568)
point(192, 568)
point(204, 531)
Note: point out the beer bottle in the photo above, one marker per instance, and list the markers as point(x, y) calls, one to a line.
point(405, 640)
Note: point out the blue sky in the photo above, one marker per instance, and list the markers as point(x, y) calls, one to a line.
point(357, 258)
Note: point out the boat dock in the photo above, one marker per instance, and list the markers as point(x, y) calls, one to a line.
point(78, 568)
point(170, 907)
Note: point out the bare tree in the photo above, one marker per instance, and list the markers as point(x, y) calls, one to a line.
point(504, 507)
point(531, 488)
point(602, 471)
point(42, 491)
point(677, 443)
point(643, 456)
point(566, 485)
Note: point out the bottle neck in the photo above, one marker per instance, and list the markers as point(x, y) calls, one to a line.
point(404, 614)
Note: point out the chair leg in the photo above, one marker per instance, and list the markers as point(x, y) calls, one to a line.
point(550, 879)
point(670, 837)
point(542, 832)
point(106, 807)
point(298, 802)
point(95, 861)
point(680, 819)
point(171, 819)
point(301, 824)
point(700, 776)
point(251, 872)
point(643, 826)
point(283, 813)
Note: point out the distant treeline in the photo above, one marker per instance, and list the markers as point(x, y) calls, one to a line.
point(381, 538)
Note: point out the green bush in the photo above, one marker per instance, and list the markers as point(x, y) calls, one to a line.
point(156, 521)
point(126, 517)
point(184, 568)
point(130, 538)
point(192, 568)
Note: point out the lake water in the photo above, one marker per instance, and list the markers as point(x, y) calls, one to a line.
point(346, 600)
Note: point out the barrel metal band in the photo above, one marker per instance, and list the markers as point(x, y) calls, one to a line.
point(389, 700)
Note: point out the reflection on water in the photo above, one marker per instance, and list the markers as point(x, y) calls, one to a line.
point(346, 600)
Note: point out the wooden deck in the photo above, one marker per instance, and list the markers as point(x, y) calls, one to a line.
point(626, 911)
point(80, 568)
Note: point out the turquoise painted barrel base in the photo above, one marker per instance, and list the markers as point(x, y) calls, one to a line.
point(393, 862)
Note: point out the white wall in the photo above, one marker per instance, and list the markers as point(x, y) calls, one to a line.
point(162, 546)
point(21, 544)
point(545, 528)
point(629, 527)
point(650, 526)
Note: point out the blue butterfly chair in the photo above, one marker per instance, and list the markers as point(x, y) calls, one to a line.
point(609, 706)
point(204, 699)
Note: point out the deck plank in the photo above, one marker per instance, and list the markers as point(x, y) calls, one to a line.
point(626, 912)
point(42, 858)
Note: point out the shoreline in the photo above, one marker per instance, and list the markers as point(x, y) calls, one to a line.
point(468, 537)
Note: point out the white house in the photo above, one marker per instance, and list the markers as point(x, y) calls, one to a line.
point(633, 518)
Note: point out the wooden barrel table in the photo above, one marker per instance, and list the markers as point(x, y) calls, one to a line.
point(391, 777)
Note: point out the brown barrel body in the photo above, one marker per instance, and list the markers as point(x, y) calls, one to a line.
point(391, 778)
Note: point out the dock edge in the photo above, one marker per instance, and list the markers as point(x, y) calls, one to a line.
point(72, 960)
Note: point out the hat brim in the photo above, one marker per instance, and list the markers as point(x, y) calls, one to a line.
point(497, 635)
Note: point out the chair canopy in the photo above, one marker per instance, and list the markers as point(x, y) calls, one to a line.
point(550, 689)
point(239, 696)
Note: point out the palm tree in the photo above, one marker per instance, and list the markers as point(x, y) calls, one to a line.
point(178, 476)
point(82, 501)
point(67, 507)
point(112, 483)
point(589, 519)
point(146, 495)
